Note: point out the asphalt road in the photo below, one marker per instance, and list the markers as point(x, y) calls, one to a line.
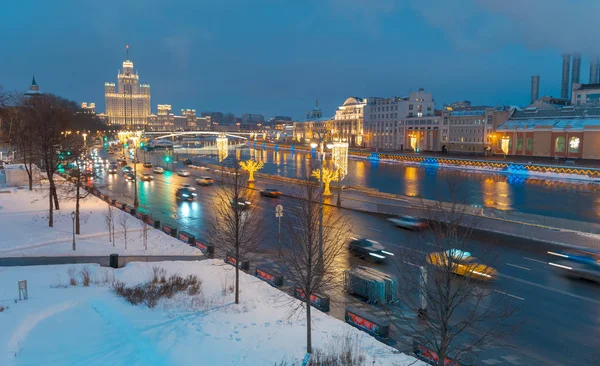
point(559, 318)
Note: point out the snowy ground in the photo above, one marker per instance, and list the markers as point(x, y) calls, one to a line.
point(25, 231)
point(75, 325)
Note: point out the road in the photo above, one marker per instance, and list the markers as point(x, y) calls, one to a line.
point(559, 318)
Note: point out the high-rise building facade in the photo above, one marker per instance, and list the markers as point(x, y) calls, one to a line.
point(127, 106)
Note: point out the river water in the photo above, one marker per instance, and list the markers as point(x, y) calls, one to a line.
point(567, 199)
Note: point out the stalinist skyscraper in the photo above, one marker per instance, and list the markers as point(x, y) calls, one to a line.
point(129, 105)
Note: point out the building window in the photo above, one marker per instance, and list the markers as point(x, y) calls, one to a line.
point(559, 144)
point(529, 144)
point(519, 143)
point(574, 144)
point(410, 107)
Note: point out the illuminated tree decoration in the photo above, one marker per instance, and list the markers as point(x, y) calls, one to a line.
point(222, 147)
point(504, 144)
point(251, 166)
point(339, 155)
point(329, 176)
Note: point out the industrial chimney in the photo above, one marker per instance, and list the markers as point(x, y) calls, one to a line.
point(594, 70)
point(576, 68)
point(535, 87)
point(564, 87)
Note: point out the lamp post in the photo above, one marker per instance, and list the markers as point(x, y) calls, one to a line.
point(73, 219)
point(320, 141)
point(136, 203)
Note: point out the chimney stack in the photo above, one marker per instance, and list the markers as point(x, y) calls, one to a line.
point(535, 87)
point(594, 70)
point(564, 88)
point(576, 69)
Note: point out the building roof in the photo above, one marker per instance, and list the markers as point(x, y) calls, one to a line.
point(474, 112)
point(559, 124)
point(320, 119)
point(354, 100)
point(33, 83)
point(559, 113)
point(589, 86)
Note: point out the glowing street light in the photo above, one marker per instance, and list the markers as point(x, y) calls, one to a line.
point(504, 144)
point(84, 139)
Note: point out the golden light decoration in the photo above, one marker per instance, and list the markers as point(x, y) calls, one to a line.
point(339, 156)
point(222, 147)
point(251, 166)
point(329, 176)
point(504, 144)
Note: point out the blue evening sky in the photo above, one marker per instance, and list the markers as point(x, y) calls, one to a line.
point(277, 56)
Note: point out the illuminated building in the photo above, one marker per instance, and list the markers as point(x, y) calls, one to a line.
point(34, 89)
point(470, 129)
point(128, 105)
point(88, 108)
point(164, 120)
point(349, 119)
point(568, 132)
point(388, 121)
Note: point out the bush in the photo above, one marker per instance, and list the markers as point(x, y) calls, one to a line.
point(2, 308)
point(151, 292)
point(85, 276)
point(341, 351)
point(72, 276)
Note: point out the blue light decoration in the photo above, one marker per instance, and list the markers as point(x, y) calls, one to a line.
point(264, 145)
point(373, 157)
point(276, 147)
point(430, 161)
point(515, 169)
point(255, 144)
point(313, 152)
point(293, 148)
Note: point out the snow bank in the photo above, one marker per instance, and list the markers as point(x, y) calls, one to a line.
point(25, 231)
point(75, 324)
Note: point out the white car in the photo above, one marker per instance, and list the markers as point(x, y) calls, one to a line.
point(408, 222)
point(183, 173)
point(205, 181)
point(158, 170)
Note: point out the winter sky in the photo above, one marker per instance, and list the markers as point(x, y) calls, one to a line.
point(277, 56)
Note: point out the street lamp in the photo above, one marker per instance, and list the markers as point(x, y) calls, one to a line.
point(73, 214)
point(321, 137)
point(84, 139)
point(136, 203)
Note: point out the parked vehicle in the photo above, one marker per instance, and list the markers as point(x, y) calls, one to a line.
point(147, 165)
point(158, 170)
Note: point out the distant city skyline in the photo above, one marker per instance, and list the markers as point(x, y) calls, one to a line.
point(277, 59)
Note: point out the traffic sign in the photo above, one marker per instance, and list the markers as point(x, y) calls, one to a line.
point(279, 211)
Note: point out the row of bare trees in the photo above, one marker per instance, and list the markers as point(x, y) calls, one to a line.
point(463, 315)
point(37, 129)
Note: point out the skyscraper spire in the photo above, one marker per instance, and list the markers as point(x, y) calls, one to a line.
point(127, 52)
point(317, 103)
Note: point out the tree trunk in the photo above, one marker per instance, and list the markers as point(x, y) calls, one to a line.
point(77, 227)
point(308, 323)
point(50, 210)
point(55, 195)
point(237, 276)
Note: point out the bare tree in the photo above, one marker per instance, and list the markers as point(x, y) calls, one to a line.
point(49, 118)
point(145, 228)
point(124, 222)
point(457, 315)
point(300, 255)
point(236, 226)
point(109, 220)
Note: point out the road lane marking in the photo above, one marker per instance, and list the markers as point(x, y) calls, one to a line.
point(514, 265)
point(411, 264)
point(550, 289)
point(511, 295)
point(375, 229)
point(534, 260)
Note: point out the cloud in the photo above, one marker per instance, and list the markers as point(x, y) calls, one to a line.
point(565, 25)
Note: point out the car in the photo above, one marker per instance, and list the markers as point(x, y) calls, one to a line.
point(147, 165)
point(461, 263)
point(187, 185)
point(185, 193)
point(146, 177)
point(369, 249)
point(183, 173)
point(241, 203)
point(270, 192)
point(110, 152)
point(126, 169)
point(129, 176)
point(577, 263)
point(408, 222)
point(135, 161)
point(158, 170)
point(113, 163)
point(112, 170)
point(187, 162)
point(205, 181)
